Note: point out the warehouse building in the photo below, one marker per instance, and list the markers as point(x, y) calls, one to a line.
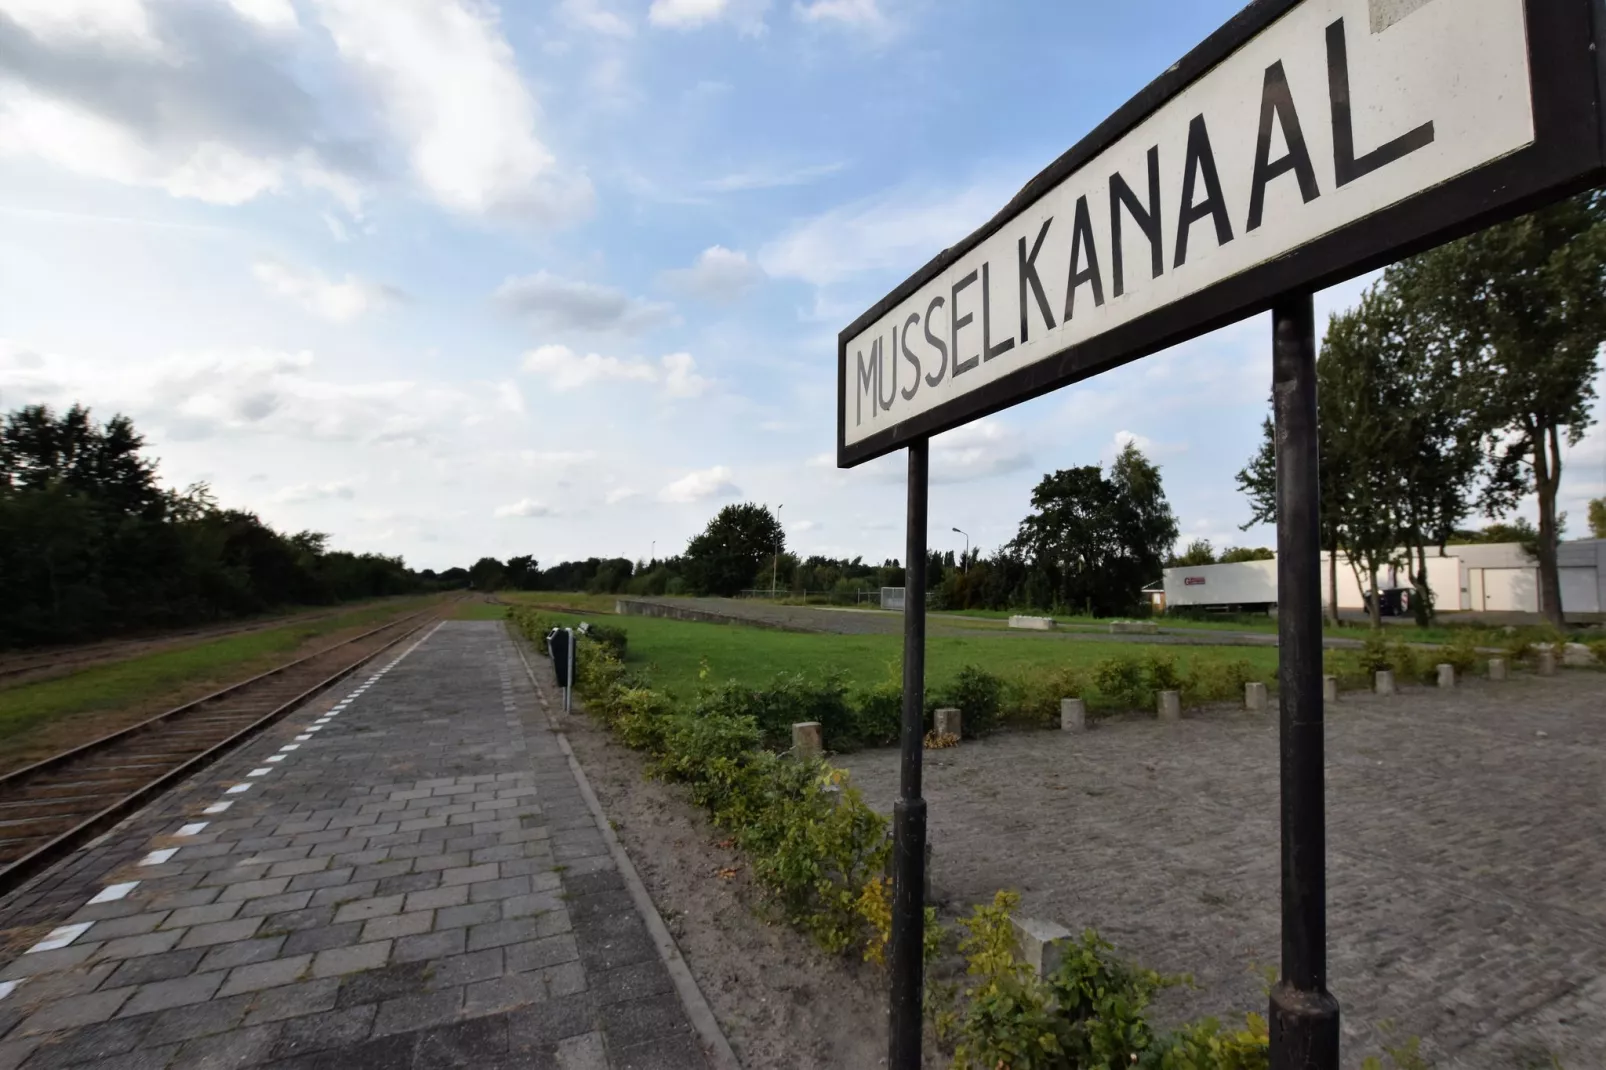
point(1485, 578)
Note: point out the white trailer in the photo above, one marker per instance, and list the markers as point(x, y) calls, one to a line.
point(1244, 585)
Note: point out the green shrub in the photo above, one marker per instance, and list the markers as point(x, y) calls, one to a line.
point(1374, 656)
point(1462, 652)
point(1122, 683)
point(788, 699)
point(977, 694)
point(878, 714)
point(643, 718)
point(1160, 672)
point(1597, 647)
point(1034, 700)
point(1217, 681)
point(610, 636)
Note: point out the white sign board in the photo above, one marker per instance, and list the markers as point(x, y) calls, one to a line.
point(1328, 115)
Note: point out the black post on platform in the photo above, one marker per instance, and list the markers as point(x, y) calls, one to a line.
point(1304, 1017)
point(909, 812)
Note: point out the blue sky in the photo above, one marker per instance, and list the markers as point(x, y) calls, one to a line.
point(444, 278)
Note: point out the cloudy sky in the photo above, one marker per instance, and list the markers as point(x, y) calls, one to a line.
point(561, 277)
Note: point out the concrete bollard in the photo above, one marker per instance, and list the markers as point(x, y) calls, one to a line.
point(1170, 705)
point(949, 721)
point(1042, 943)
point(1385, 682)
point(1497, 668)
point(1255, 696)
point(1547, 663)
point(1446, 675)
point(807, 742)
point(1329, 689)
point(1073, 715)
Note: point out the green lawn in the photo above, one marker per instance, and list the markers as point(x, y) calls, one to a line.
point(155, 680)
point(673, 651)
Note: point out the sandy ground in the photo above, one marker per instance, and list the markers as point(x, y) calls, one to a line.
point(784, 1005)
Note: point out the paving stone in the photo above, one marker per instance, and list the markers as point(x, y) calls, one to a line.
point(663, 1053)
point(130, 925)
point(498, 933)
point(413, 1012)
point(432, 945)
point(344, 893)
point(229, 956)
point(255, 889)
point(161, 967)
point(195, 1020)
point(160, 995)
point(407, 883)
point(505, 993)
point(532, 905)
point(271, 974)
point(238, 1047)
point(364, 909)
point(465, 969)
point(642, 1021)
point(90, 1044)
point(292, 1001)
point(584, 1052)
point(456, 895)
point(556, 1019)
point(321, 1032)
point(539, 954)
point(390, 982)
point(140, 1059)
point(473, 1043)
point(398, 925)
point(74, 1011)
point(275, 904)
point(632, 982)
point(330, 936)
point(294, 921)
point(221, 932)
point(329, 878)
point(133, 947)
point(343, 960)
point(490, 871)
point(503, 888)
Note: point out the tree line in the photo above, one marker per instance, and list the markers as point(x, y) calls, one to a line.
point(92, 546)
point(1451, 389)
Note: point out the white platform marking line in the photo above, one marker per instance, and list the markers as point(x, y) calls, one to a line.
point(113, 892)
point(156, 858)
point(218, 807)
point(193, 828)
point(260, 771)
point(59, 938)
point(8, 987)
point(238, 788)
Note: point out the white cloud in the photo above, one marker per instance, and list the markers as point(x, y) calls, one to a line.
point(858, 14)
point(447, 85)
point(271, 14)
point(700, 486)
point(341, 302)
point(748, 15)
point(621, 494)
point(563, 369)
point(509, 397)
point(569, 305)
point(977, 450)
point(593, 15)
point(720, 275)
point(893, 232)
point(312, 492)
point(524, 507)
point(764, 178)
point(107, 21)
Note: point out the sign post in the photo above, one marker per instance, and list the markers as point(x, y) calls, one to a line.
point(909, 811)
point(1303, 143)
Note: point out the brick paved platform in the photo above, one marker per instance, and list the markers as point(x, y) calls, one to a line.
point(403, 876)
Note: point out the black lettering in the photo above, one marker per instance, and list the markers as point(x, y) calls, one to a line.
point(1201, 162)
point(1346, 168)
point(908, 355)
point(1029, 277)
point(1147, 219)
point(869, 379)
point(936, 343)
point(988, 350)
point(958, 321)
point(1276, 100)
point(892, 395)
point(1082, 231)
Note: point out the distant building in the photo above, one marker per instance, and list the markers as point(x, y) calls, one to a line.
point(1482, 578)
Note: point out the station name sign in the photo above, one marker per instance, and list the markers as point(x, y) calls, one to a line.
point(1303, 143)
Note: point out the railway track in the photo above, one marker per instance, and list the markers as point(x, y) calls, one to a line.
point(54, 806)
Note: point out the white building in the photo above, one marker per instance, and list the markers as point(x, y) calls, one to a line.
point(1489, 578)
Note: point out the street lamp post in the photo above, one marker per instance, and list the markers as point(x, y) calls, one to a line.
point(965, 561)
point(775, 561)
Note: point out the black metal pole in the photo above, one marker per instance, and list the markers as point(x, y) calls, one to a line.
point(909, 812)
point(1304, 1017)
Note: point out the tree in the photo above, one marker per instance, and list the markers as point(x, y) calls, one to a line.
point(1597, 518)
point(1093, 542)
point(487, 574)
point(1234, 554)
point(1199, 552)
point(725, 557)
point(1522, 309)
